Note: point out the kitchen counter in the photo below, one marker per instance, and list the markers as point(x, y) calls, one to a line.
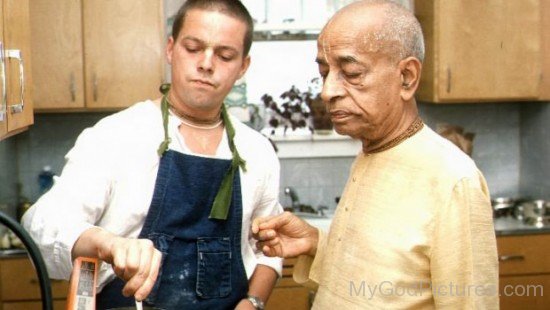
point(13, 252)
point(504, 226)
point(316, 146)
point(321, 223)
point(508, 226)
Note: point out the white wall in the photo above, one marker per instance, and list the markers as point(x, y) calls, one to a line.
point(277, 65)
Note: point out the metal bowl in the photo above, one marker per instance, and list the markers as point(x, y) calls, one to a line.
point(532, 212)
point(503, 206)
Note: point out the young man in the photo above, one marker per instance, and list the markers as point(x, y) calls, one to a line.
point(414, 227)
point(164, 192)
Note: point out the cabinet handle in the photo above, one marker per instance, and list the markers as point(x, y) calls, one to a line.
point(95, 87)
point(16, 54)
point(449, 76)
point(72, 88)
point(4, 106)
point(505, 258)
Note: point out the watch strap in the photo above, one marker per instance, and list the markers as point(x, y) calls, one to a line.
point(256, 302)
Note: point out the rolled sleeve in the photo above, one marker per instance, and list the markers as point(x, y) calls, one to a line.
point(268, 205)
point(62, 252)
point(276, 263)
point(74, 204)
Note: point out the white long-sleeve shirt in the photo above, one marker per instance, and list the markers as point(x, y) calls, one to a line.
point(109, 178)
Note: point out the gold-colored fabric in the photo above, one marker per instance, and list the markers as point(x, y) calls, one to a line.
point(413, 230)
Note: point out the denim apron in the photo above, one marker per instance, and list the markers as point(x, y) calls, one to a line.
point(202, 266)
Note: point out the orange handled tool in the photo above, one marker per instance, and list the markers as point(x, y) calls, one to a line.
point(83, 284)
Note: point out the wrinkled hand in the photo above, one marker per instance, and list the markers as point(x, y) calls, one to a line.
point(136, 261)
point(285, 235)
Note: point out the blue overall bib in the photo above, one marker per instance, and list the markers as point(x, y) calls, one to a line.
point(202, 266)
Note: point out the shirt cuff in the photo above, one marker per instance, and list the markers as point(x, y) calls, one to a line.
point(62, 253)
point(276, 263)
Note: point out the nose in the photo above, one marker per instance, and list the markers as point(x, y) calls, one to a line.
point(332, 88)
point(206, 64)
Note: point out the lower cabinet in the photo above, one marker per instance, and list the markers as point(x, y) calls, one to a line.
point(288, 294)
point(20, 289)
point(525, 292)
point(524, 270)
point(32, 305)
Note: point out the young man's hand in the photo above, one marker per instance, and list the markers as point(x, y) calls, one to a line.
point(135, 261)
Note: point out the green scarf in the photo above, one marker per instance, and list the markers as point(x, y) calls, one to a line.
point(220, 207)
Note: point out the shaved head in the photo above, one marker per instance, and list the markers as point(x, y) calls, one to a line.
point(381, 26)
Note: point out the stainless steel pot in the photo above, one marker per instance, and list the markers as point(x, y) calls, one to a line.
point(503, 206)
point(533, 212)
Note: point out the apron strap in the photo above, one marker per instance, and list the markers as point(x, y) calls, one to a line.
point(222, 201)
point(164, 88)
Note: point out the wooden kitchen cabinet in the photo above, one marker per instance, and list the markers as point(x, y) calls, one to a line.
point(20, 289)
point(16, 106)
point(57, 52)
point(480, 50)
point(288, 294)
point(100, 54)
point(545, 83)
point(524, 270)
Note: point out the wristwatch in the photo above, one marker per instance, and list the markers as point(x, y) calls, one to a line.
point(256, 302)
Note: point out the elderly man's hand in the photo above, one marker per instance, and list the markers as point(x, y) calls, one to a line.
point(285, 235)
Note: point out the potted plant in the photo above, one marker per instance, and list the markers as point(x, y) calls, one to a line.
point(297, 110)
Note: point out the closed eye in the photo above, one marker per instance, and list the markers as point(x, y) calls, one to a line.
point(192, 46)
point(191, 49)
point(352, 75)
point(227, 56)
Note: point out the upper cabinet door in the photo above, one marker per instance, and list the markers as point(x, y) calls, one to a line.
point(123, 51)
point(3, 86)
point(17, 56)
point(545, 84)
point(480, 50)
point(58, 69)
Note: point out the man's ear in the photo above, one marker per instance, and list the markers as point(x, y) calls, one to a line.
point(410, 68)
point(245, 65)
point(170, 49)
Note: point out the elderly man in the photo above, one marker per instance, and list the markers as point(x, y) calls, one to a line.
point(414, 228)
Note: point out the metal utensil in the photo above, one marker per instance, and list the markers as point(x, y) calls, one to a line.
point(533, 212)
point(503, 206)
